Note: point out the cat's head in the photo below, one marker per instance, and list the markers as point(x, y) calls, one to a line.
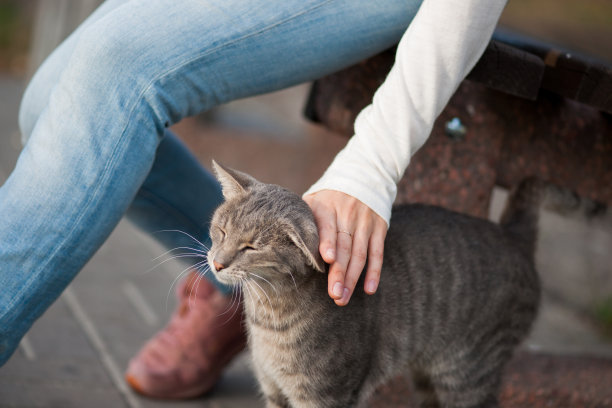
point(261, 232)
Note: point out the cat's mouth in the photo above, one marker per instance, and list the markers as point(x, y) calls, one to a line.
point(227, 276)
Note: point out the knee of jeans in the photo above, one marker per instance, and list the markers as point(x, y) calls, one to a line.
point(103, 58)
point(36, 95)
point(32, 104)
point(119, 65)
point(26, 123)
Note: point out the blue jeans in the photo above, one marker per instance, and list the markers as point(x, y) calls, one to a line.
point(96, 118)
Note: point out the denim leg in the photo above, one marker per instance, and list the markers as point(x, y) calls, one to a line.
point(134, 71)
point(36, 96)
point(162, 207)
point(176, 202)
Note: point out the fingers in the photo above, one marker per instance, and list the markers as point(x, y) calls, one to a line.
point(326, 224)
point(336, 286)
point(375, 258)
point(357, 254)
point(328, 238)
point(350, 234)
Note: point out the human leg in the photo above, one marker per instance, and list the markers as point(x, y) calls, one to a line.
point(132, 73)
point(178, 194)
point(46, 77)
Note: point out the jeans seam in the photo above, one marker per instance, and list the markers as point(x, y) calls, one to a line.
point(244, 37)
point(231, 42)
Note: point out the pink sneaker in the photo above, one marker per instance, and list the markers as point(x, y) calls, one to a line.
point(186, 358)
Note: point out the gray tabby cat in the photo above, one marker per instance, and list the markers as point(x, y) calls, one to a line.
point(457, 294)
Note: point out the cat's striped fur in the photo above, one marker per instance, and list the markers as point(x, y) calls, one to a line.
point(457, 294)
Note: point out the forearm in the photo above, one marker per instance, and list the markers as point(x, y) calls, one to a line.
point(442, 44)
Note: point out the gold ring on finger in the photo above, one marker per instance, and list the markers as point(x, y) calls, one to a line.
point(345, 232)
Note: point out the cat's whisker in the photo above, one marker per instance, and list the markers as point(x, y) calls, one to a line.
point(180, 276)
point(176, 249)
point(263, 291)
point(189, 235)
point(203, 250)
point(250, 295)
point(176, 279)
point(274, 320)
point(293, 279)
point(179, 257)
point(204, 268)
point(253, 290)
point(270, 265)
point(265, 280)
point(274, 266)
point(184, 255)
point(196, 285)
point(201, 273)
point(196, 266)
point(233, 305)
point(239, 297)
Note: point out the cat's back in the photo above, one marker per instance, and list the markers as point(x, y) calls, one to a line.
point(437, 236)
point(445, 270)
point(430, 220)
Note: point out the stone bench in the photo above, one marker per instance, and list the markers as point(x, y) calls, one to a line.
point(525, 109)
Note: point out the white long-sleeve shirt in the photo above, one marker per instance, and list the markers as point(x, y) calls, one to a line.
point(440, 47)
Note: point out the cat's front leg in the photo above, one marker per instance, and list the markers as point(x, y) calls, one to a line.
point(272, 393)
point(276, 399)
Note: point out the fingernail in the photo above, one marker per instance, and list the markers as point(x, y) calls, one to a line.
point(345, 296)
point(337, 290)
point(330, 254)
point(371, 288)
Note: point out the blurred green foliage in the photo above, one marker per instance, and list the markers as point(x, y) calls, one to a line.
point(15, 28)
point(9, 19)
point(603, 315)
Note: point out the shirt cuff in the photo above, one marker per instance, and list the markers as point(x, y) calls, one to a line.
point(350, 174)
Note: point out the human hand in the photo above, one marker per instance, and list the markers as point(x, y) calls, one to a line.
point(349, 234)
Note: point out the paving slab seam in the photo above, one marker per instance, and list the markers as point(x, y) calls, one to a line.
point(140, 304)
point(94, 337)
point(26, 347)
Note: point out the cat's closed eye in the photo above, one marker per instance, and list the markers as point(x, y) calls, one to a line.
point(219, 232)
point(248, 247)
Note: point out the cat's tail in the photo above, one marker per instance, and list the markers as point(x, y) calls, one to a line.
point(521, 215)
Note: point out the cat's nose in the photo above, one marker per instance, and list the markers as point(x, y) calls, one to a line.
point(218, 266)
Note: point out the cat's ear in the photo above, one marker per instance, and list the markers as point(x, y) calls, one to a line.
point(233, 182)
point(309, 245)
